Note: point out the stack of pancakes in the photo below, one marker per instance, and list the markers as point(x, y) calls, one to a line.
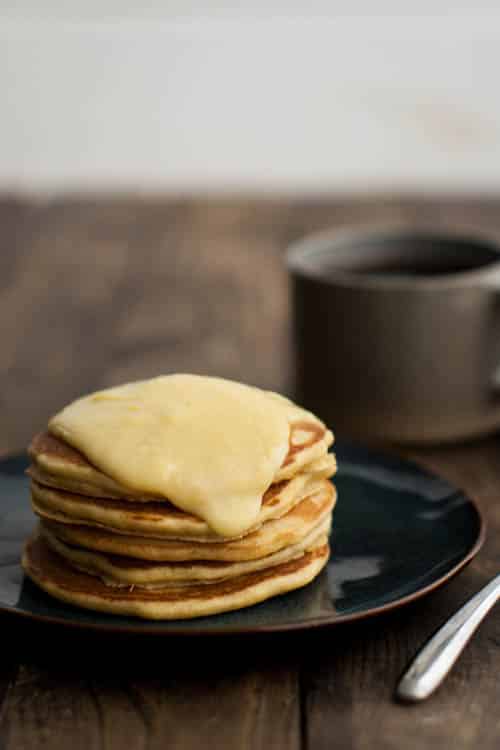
point(105, 547)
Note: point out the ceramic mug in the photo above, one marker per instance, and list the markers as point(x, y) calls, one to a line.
point(397, 333)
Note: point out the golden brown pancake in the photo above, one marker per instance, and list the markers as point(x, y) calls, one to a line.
point(269, 538)
point(58, 465)
point(178, 497)
point(49, 571)
point(160, 520)
point(127, 571)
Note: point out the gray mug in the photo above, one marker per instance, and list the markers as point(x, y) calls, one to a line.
point(397, 333)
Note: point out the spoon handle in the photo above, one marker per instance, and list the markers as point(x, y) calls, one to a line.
point(438, 655)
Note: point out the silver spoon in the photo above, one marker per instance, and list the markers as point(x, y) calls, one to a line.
point(438, 655)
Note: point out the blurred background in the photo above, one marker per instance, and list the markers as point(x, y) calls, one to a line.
point(186, 95)
point(157, 158)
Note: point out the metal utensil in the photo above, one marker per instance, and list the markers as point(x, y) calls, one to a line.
point(438, 655)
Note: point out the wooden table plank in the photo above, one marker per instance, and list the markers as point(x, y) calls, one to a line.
point(152, 693)
point(94, 292)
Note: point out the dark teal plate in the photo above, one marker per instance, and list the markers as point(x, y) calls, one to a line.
point(398, 533)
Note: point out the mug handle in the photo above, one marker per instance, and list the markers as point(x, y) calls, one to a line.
point(493, 285)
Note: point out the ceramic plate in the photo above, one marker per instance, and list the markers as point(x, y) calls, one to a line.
point(398, 533)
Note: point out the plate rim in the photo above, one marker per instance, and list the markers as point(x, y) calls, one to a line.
point(314, 623)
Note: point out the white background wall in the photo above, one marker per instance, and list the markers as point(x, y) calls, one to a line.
point(187, 95)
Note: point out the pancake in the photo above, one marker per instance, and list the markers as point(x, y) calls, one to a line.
point(126, 571)
point(51, 572)
point(179, 496)
point(56, 464)
point(160, 520)
point(269, 538)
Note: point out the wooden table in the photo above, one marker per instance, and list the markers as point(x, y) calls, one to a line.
point(96, 292)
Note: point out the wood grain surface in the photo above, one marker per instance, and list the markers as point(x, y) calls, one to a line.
point(94, 292)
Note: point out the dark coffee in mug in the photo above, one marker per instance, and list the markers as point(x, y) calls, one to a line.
point(423, 255)
point(423, 269)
